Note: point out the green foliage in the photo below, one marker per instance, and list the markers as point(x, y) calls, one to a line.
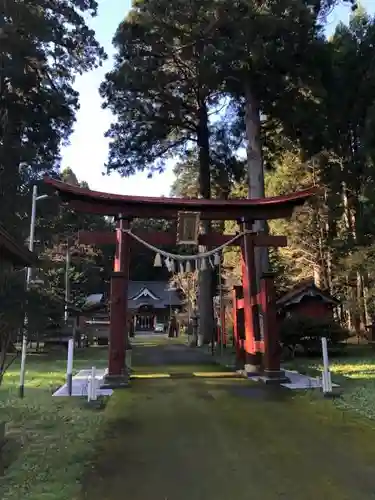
point(176, 62)
point(57, 229)
point(43, 45)
point(177, 89)
point(160, 84)
point(186, 75)
point(225, 170)
point(12, 299)
point(307, 332)
point(332, 238)
point(304, 250)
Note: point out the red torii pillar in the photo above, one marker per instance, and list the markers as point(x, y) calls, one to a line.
point(238, 327)
point(117, 375)
point(260, 355)
point(252, 343)
point(272, 348)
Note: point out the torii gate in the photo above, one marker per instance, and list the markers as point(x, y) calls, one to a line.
point(244, 211)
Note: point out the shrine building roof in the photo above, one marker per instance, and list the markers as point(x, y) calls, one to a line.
point(86, 200)
point(15, 252)
point(304, 289)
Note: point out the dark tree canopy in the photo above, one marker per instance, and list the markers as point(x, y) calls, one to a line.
point(43, 45)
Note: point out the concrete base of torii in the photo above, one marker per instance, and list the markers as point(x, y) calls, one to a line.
point(115, 382)
point(274, 377)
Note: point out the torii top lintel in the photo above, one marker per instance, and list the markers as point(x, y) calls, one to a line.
point(85, 200)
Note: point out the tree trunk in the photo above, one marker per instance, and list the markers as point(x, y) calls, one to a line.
point(255, 171)
point(349, 222)
point(366, 302)
point(331, 231)
point(362, 305)
point(256, 188)
point(360, 240)
point(5, 341)
point(205, 303)
point(3, 355)
point(317, 276)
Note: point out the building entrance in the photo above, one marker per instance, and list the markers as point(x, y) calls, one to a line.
point(144, 322)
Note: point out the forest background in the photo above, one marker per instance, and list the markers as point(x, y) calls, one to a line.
point(233, 92)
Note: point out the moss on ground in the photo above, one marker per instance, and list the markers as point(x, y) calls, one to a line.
point(49, 440)
point(187, 438)
point(354, 373)
point(177, 439)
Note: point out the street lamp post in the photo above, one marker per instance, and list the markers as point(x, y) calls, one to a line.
point(67, 283)
point(35, 198)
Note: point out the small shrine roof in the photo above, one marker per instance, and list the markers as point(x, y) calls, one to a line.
point(306, 288)
point(15, 252)
point(158, 294)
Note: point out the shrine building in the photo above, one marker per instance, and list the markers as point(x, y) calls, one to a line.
point(149, 303)
point(306, 299)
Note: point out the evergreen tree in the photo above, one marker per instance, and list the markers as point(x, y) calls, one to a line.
point(43, 45)
point(175, 64)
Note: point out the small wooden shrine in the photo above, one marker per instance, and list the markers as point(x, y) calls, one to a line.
point(306, 299)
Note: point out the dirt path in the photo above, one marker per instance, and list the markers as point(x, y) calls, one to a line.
point(214, 439)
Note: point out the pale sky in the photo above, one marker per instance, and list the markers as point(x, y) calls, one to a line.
point(88, 149)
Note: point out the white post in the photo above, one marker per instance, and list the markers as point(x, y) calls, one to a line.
point(28, 279)
point(94, 384)
point(91, 389)
point(326, 376)
point(69, 368)
point(128, 359)
point(324, 382)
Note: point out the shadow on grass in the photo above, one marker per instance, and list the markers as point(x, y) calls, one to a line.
point(9, 453)
point(49, 442)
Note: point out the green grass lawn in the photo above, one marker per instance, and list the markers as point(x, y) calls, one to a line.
point(354, 372)
point(50, 440)
point(59, 449)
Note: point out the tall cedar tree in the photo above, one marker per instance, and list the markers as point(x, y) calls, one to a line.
point(176, 60)
point(335, 236)
point(43, 45)
point(161, 91)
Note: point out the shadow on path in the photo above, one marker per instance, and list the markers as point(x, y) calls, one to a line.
point(214, 439)
point(170, 353)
